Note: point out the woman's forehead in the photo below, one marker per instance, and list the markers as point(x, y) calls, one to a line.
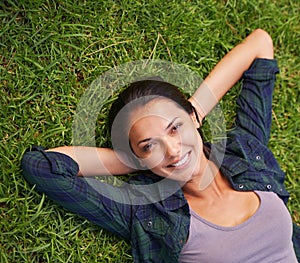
point(160, 108)
point(155, 118)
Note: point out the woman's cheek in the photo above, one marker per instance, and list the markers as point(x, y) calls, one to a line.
point(191, 137)
point(155, 158)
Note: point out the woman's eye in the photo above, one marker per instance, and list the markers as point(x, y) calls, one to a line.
point(147, 147)
point(176, 127)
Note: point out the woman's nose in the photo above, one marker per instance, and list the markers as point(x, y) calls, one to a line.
point(173, 146)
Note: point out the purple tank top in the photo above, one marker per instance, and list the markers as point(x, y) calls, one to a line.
point(265, 237)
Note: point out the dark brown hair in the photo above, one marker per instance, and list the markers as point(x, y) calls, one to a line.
point(145, 91)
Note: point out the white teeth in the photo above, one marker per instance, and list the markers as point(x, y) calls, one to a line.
point(181, 162)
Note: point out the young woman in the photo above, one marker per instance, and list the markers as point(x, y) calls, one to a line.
point(222, 204)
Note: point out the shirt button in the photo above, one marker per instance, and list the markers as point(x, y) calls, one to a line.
point(241, 186)
point(257, 157)
point(269, 187)
point(150, 223)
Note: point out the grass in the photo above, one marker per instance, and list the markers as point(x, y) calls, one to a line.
point(51, 51)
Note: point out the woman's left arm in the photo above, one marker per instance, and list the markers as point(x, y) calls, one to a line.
point(230, 69)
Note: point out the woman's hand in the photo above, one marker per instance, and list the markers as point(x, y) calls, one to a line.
point(230, 69)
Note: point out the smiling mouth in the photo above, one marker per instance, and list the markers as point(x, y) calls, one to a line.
point(181, 162)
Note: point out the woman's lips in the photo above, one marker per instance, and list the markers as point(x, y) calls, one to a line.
point(184, 160)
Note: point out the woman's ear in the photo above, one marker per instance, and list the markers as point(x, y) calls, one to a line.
point(195, 120)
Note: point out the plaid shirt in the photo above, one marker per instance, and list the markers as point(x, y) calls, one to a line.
point(157, 230)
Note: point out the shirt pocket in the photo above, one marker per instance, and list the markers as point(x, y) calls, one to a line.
point(152, 222)
point(256, 155)
point(245, 153)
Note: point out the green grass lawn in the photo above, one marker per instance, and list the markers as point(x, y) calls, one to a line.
point(51, 51)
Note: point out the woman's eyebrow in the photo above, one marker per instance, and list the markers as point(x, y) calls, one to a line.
point(169, 125)
point(144, 140)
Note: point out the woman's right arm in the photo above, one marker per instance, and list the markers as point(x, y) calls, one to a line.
point(94, 161)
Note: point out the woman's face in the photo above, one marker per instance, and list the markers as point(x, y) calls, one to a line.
point(165, 138)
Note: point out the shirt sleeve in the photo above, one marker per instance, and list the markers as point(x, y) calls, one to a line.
point(254, 112)
point(248, 162)
point(55, 175)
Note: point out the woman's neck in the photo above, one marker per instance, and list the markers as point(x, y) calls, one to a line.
point(209, 184)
